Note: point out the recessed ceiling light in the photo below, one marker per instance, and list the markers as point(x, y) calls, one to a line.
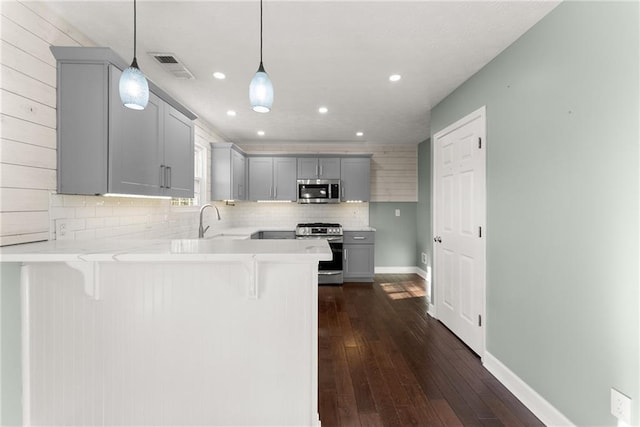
point(359, 133)
point(231, 113)
point(260, 133)
point(323, 110)
point(218, 75)
point(394, 77)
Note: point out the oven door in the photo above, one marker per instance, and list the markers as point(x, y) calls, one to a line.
point(330, 272)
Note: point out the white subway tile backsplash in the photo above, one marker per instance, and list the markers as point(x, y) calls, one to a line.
point(89, 217)
point(86, 212)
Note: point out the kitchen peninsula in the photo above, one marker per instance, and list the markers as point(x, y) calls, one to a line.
point(170, 332)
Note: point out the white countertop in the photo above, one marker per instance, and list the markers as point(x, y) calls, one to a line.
point(359, 228)
point(213, 249)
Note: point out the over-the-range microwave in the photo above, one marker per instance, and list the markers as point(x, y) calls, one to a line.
point(318, 191)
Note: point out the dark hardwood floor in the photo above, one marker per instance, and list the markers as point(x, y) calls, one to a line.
point(384, 362)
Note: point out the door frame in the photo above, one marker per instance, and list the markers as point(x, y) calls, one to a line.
point(435, 287)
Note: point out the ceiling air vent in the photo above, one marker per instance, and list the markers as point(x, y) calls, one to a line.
point(170, 63)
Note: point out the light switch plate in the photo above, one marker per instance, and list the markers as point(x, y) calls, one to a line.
point(621, 406)
point(397, 212)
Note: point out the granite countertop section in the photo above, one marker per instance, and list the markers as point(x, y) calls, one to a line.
point(177, 250)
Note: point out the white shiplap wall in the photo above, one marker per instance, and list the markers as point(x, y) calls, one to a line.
point(394, 168)
point(28, 117)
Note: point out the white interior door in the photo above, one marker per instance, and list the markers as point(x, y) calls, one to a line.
point(459, 227)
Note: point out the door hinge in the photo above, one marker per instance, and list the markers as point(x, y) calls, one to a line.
point(479, 320)
point(479, 142)
point(479, 231)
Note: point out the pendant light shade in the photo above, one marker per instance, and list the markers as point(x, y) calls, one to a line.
point(261, 91)
point(261, 88)
point(134, 88)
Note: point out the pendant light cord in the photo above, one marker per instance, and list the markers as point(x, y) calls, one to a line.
point(135, 20)
point(260, 32)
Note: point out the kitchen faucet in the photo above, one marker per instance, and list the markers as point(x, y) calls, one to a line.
point(202, 230)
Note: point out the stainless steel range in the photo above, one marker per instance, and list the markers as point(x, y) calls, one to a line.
point(329, 272)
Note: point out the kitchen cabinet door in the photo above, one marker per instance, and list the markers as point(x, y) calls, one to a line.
point(307, 168)
point(135, 147)
point(83, 98)
point(318, 168)
point(355, 173)
point(178, 154)
point(238, 170)
point(358, 262)
point(228, 172)
point(359, 256)
point(260, 178)
point(284, 178)
point(329, 168)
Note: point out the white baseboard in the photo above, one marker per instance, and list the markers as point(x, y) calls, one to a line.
point(542, 409)
point(399, 270)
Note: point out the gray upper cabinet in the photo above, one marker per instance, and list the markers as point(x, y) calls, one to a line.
point(318, 168)
point(355, 173)
point(104, 147)
point(178, 153)
point(272, 178)
point(260, 178)
point(284, 178)
point(135, 154)
point(228, 172)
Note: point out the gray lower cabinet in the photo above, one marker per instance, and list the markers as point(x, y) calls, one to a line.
point(355, 175)
point(274, 234)
point(272, 178)
point(104, 147)
point(228, 172)
point(318, 168)
point(359, 256)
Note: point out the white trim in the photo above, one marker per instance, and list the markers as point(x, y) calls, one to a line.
point(26, 334)
point(400, 270)
point(420, 272)
point(542, 409)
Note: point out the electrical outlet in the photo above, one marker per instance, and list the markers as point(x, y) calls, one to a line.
point(62, 229)
point(424, 258)
point(397, 212)
point(621, 406)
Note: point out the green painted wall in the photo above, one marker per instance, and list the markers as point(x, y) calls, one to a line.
point(563, 205)
point(10, 345)
point(395, 235)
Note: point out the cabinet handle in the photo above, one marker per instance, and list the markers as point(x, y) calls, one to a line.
point(345, 254)
point(168, 174)
point(359, 237)
point(275, 192)
point(342, 189)
point(162, 176)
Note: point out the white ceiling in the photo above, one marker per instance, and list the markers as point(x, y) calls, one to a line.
point(337, 54)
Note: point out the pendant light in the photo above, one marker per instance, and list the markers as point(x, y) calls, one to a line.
point(261, 89)
point(134, 89)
